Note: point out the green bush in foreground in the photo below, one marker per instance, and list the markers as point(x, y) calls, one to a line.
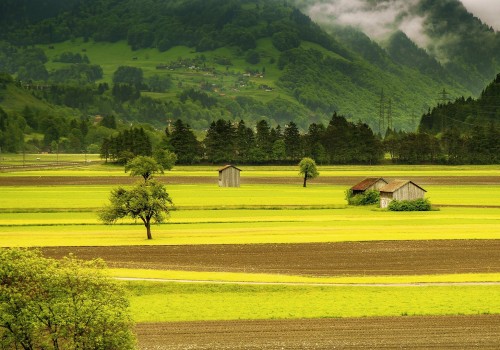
point(366, 198)
point(60, 304)
point(413, 205)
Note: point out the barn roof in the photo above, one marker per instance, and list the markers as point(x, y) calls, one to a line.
point(228, 166)
point(397, 184)
point(363, 185)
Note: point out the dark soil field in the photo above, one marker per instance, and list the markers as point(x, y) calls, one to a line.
point(327, 180)
point(444, 332)
point(312, 259)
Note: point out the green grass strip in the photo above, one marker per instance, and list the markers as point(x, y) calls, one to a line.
point(163, 302)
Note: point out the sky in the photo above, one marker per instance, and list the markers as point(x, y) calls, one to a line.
point(487, 10)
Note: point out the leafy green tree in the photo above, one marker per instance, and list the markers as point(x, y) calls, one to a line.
point(125, 92)
point(159, 83)
point(285, 40)
point(128, 75)
point(60, 304)
point(148, 201)
point(143, 166)
point(279, 150)
point(165, 158)
point(252, 57)
point(308, 169)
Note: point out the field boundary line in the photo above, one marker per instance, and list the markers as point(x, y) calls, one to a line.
point(310, 284)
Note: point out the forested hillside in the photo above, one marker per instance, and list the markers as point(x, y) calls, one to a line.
point(81, 71)
point(267, 46)
point(439, 38)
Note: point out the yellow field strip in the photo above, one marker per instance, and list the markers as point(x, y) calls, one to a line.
point(198, 276)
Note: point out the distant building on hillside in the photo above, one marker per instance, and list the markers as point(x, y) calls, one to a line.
point(371, 183)
point(401, 190)
point(229, 176)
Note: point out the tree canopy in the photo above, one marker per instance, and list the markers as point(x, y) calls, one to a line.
point(148, 201)
point(60, 304)
point(143, 166)
point(308, 169)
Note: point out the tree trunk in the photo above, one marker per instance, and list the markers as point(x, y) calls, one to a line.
point(305, 180)
point(148, 229)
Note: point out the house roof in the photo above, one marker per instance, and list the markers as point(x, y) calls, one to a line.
point(363, 185)
point(228, 166)
point(397, 184)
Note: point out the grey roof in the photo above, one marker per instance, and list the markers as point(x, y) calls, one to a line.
point(228, 166)
point(363, 185)
point(397, 184)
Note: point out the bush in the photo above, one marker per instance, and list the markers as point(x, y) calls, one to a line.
point(60, 304)
point(366, 198)
point(413, 205)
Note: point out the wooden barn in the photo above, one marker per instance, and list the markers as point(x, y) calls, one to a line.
point(229, 176)
point(371, 183)
point(401, 190)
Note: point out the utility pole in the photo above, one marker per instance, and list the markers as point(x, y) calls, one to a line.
point(381, 117)
point(389, 114)
point(443, 99)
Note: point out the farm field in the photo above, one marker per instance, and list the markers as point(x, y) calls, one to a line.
point(445, 332)
point(290, 261)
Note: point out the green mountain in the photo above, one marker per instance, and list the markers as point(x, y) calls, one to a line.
point(465, 115)
point(201, 60)
point(436, 37)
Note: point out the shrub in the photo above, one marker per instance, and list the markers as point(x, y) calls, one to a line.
point(411, 205)
point(366, 198)
point(61, 304)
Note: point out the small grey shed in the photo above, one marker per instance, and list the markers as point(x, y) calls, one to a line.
point(229, 176)
point(401, 190)
point(371, 183)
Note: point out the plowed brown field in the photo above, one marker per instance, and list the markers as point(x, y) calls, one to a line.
point(316, 259)
point(444, 332)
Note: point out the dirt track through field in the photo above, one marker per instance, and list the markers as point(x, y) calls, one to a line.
point(440, 332)
point(170, 179)
point(312, 259)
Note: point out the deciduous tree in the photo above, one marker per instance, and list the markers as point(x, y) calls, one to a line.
point(65, 304)
point(148, 201)
point(308, 169)
point(143, 166)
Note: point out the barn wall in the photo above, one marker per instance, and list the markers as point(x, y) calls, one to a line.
point(408, 192)
point(229, 177)
point(385, 199)
point(377, 185)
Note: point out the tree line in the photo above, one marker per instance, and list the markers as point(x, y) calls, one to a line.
point(340, 142)
point(479, 146)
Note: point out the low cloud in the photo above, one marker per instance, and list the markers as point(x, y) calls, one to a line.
point(487, 10)
point(378, 20)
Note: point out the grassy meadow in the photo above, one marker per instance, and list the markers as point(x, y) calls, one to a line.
point(190, 302)
point(37, 216)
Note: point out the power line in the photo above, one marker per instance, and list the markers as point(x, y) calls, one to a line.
point(381, 117)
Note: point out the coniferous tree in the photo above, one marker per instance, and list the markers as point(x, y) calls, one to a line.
point(291, 137)
point(184, 143)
